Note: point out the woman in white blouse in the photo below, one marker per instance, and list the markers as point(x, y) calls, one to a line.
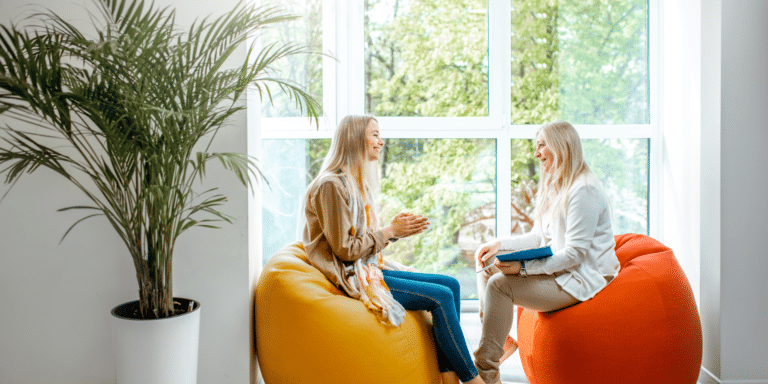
point(573, 217)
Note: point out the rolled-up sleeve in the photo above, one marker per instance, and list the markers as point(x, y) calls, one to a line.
point(332, 206)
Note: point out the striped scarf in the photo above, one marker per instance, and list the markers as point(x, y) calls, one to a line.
point(368, 278)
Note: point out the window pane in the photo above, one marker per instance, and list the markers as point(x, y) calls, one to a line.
point(289, 165)
point(426, 57)
point(525, 178)
point(583, 62)
point(621, 165)
point(451, 181)
point(305, 69)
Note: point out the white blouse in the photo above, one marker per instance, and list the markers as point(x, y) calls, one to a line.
point(581, 240)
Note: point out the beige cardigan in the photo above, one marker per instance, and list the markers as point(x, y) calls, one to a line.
point(329, 234)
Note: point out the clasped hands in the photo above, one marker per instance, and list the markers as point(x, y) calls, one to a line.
point(490, 249)
point(406, 224)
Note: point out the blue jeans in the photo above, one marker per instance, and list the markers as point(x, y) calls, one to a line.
point(439, 295)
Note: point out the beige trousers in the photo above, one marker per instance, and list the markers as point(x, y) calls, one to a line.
point(499, 294)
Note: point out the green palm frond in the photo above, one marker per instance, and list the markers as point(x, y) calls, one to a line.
point(121, 113)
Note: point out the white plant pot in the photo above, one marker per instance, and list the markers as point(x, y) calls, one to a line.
point(157, 351)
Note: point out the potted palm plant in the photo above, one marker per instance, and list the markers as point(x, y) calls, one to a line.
point(128, 115)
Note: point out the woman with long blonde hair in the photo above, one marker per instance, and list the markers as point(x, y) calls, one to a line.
point(573, 217)
point(343, 240)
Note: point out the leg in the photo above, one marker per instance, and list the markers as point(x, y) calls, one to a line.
point(449, 377)
point(443, 280)
point(414, 294)
point(482, 282)
point(538, 292)
point(447, 281)
point(510, 345)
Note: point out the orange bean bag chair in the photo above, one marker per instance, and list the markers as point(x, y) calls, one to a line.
point(309, 331)
point(642, 328)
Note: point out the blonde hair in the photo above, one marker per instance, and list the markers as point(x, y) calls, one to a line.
point(348, 155)
point(568, 165)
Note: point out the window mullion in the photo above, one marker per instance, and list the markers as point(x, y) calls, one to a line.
point(504, 184)
point(656, 179)
point(341, 65)
point(500, 83)
point(499, 64)
point(356, 58)
point(330, 77)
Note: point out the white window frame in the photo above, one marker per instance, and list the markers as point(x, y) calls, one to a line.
point(343, 34)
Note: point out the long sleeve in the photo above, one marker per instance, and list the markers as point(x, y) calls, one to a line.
point(334, 214)
point(583, 212)
point(582, 241)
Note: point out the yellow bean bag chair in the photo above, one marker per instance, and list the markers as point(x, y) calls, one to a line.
point(309, 331)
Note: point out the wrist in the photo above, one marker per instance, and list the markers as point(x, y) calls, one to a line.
point(389, 233)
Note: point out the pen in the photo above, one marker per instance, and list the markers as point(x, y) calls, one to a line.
point(486, 267)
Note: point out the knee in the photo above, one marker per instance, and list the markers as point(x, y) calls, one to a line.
point(441, 296)
point(445, 294)
point(453, 284)
point(496, 283)
point(448, 282)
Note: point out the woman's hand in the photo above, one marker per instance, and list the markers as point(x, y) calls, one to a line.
point(508, 267)
point(406, 224)
point(487, 251)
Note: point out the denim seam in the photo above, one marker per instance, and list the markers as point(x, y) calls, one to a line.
point(450, 332)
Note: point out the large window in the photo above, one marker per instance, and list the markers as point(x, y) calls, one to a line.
point(459, 88)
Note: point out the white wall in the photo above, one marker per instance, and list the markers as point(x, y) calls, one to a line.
point(709, 308)
point(743, 183)
point(681, 135)
point(729, 54)
point(55, 298)
point(715, 171)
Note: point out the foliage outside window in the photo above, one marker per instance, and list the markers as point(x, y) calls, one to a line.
point(426, 58)
point(584, 62)
point(306, 69)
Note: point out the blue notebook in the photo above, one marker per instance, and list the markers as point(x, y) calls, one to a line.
point(526, 254)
